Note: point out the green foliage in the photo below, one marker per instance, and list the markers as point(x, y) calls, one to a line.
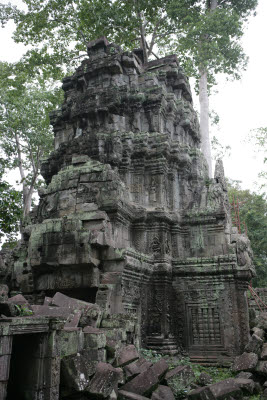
point(151, 355)
point(10, 208)
point(253, 211)
point(23, 311)
point(58, 31)
point(218, 150)
point(209, 40)
point(258, 138)
point(25, 133)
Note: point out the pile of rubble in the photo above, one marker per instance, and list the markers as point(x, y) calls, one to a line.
point(99, 357)
point(98, 352)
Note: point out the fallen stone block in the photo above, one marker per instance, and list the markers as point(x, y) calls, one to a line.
point(51, 311)
point(127, 355)
point(73, 319)
point(19, 300)
point(75, 373)
point(47, 301)
point(259, 332)
point(202, 393)
point(147, 381)
point(245, 362)
point(91, 313)
point(246, 385)
point(262, 368)
point(163, 393)
point(104, 382)
point(245, 375)
point(136, 368)
point(226, 389)
point(261, 321)
point(182, 375)
point(254, 345)
point(263, 355)
point(123, 395)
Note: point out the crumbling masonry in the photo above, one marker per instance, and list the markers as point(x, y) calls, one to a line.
point(129, 219)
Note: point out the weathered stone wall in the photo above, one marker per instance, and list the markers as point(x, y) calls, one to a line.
point(130, 219)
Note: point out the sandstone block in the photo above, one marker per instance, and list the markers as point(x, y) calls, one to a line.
point(226, 389)
point(104, 382)
point(163, 393)
point(202, 393)
point(145, 382)
point(47, 301)
point(136, 368)
point(259, 332)
point(127, 355)
point(246, 385)
point(182, 375)
point(263, 355)
point(254, 345)
point(261, 321)
point(47, 311)
point(19, 300)
point(262, 368)
point(91, 313)
point(75, 373)
point(245, 362)
point(123, 395)
point(245, 375)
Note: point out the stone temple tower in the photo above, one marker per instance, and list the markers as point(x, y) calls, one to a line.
point(129, 219)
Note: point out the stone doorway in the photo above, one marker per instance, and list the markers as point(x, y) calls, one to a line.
point(25, 367)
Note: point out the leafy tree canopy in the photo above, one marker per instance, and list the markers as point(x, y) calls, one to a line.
point(25, 133)
point(210, 39)
point(10, 208)
point(253, 212)
point(60, 29)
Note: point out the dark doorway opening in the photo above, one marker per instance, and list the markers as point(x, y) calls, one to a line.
point(85, 294)
point(23, 374)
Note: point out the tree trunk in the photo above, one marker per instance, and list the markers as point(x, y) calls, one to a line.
point(143, 38)
point(26, 191)
point(204, 117)
point(204, 105)
point(27, 201)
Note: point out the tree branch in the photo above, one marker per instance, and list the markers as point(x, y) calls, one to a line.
point(150, 48)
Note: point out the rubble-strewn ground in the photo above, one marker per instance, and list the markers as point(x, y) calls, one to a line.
point(99, 357)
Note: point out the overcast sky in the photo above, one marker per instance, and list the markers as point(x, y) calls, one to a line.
point(241, 105)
